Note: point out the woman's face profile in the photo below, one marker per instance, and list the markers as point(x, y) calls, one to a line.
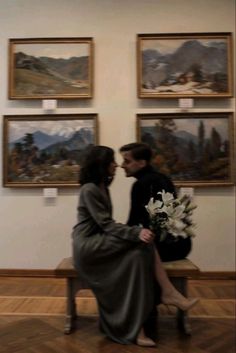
point(112, 168)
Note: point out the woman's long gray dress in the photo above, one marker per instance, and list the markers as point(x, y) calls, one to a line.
point(116, 264)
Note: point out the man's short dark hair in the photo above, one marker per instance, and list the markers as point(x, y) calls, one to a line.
point(138, 151)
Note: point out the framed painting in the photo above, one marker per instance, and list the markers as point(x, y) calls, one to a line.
point(50, 68)
point(46, 150)
point(184, 65)
point(194, 149)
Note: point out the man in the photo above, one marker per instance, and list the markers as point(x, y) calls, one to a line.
point(137, 163)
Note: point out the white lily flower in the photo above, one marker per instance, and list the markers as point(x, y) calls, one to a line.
point(153, 206)
point(185, 199)
point(171, 215)
point(167, 209)
point(179, 211)
point(189, 232)
point(166, 196)
point(178, 224)
point(188, 220)
point(183, 234)
point(191, 207)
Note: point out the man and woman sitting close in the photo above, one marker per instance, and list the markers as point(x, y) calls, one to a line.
point(122, 263)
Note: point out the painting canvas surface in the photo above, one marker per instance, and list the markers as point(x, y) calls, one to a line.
point(190, 149)
point(51, 69)
point(185, 66)
point(47, 151)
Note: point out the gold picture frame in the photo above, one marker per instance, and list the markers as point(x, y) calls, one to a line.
point(51, 68)
point(46, 150)
point(194, 149)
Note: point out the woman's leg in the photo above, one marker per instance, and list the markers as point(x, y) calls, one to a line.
point(170, 295)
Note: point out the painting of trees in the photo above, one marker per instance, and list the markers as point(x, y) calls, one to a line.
point(40, 151)
point(191, 148)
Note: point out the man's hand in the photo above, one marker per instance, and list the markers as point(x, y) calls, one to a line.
point(146, 235)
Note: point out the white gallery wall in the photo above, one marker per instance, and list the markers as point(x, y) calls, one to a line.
point(35, 233)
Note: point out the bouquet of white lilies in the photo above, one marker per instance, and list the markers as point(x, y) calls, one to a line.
point(171, 215)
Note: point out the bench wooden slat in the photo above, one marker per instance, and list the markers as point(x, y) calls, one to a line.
point(66, 268)
point(181, 268)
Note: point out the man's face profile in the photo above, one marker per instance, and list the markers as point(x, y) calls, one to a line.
point(130, 165)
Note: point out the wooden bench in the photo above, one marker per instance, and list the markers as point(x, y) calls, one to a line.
point(178, 272)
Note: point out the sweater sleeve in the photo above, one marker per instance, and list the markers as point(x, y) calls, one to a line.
point(98, 210)
point(138, 214)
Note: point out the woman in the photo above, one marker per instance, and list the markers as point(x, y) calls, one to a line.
point(116, 260)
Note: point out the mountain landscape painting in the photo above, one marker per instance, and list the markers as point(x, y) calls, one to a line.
point(193, 149)
point(50, 68)
point(184, 65)
point(46, 151)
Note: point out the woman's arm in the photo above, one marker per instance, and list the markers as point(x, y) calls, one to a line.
point(93, 199)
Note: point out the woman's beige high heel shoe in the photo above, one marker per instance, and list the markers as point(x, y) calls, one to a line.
point(178, 300)
point(144, 341)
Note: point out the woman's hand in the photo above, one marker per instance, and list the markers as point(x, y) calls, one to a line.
point(146, 235)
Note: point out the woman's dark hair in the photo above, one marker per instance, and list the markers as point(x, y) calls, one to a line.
point(138, 151)
point(94, 167)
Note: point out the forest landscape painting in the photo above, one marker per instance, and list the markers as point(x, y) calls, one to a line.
point(193, 149)
point(50, 68)
point(47, 151)
point(184, 65)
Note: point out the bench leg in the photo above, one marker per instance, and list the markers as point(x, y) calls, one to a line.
point(72, 289)
point(182, 316)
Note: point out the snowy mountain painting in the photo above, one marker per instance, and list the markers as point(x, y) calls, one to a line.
point(191, 148)
point(183, 65)
point(47, 151)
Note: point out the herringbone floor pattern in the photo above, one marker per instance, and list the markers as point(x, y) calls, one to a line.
point(32, 319)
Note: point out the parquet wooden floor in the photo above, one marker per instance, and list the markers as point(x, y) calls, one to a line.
point(32, 321)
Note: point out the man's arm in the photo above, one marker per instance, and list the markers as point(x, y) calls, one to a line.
point(138, 214)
